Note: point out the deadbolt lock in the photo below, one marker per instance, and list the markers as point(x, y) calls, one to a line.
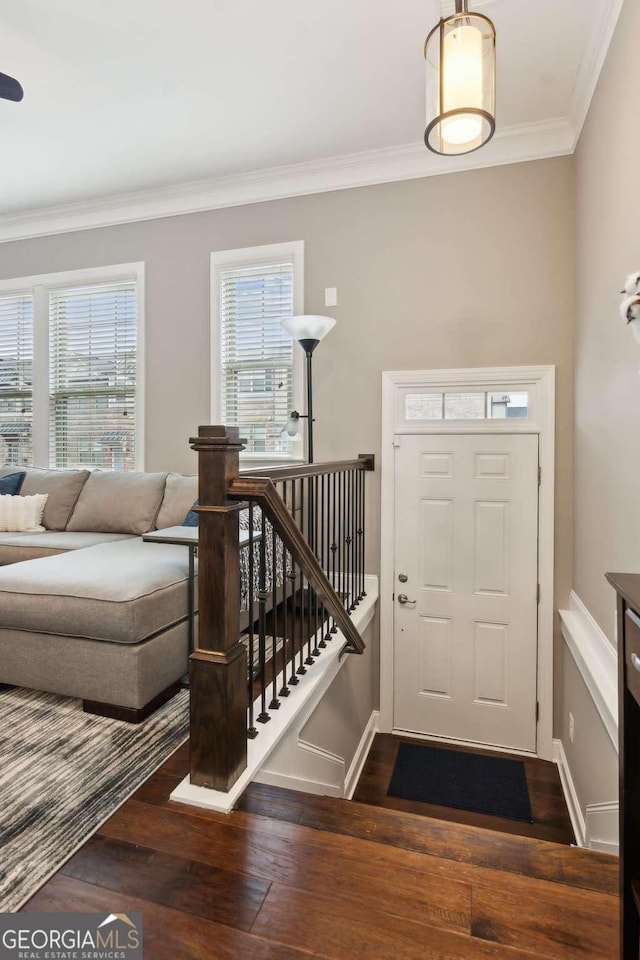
point(402, 577)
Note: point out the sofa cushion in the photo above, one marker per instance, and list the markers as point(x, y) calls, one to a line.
point(119, 502)
point(10, 483)
point(179, 494)
point(63, 488)
point(15, 547)
point(123, 592)
point(22, 513)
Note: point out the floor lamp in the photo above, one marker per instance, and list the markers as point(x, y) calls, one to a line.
point(308, 331)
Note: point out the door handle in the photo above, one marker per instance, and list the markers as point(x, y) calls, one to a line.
point(404, 599)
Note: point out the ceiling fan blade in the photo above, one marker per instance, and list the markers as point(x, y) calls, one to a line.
point(10, 89)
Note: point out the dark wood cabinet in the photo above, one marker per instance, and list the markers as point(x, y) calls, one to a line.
point(627, 586)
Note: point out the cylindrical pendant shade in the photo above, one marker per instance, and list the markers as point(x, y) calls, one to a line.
point(461, 84)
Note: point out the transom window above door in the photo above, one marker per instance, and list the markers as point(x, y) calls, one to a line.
point(472, 405)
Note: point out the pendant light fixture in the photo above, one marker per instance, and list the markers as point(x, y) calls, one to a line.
point(460, 53)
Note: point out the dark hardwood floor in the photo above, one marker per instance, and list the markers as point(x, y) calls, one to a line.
point(289, 876)
point(551, 819)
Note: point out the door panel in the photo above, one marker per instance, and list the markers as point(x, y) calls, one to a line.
point(465, 645)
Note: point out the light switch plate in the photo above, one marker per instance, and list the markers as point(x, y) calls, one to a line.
point(331, 297)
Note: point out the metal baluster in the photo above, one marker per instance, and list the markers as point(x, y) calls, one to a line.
point(349, 541)
point(358, 536)
point(334, 542)
point(326, 553)
point(262, 631)
point(285, 604)
point(354, 513)
point(252, 731)
point(362, 527)
point(341, 543)
point(316, 610)
point(301, 669)
point(293, 680)
point(352, 534)
point(275, 703)
point(347, 544)
point(323, 641)
point(307, 620)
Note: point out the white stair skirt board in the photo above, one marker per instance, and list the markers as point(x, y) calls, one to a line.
point(598, 830)
point(570, 794)
point(360, 756)
point(602, 828)
point(596, 660)
point(299, 765)
point(311, 687)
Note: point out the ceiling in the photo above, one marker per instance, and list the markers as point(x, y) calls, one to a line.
point(136, 97)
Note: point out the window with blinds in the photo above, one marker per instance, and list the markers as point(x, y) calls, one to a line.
point(16, 379)
point(256, 353)
point(92, 376)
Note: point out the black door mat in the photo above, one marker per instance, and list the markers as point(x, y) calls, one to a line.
point(467, 781)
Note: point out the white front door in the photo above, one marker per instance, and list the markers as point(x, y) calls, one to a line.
point(466, 560)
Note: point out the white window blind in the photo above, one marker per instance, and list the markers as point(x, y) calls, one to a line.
point(256, 353)
point(92, 375)
point(16, 379)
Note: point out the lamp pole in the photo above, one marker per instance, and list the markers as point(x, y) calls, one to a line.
point(308, 352)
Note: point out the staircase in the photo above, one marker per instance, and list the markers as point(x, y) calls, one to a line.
point(289, 876)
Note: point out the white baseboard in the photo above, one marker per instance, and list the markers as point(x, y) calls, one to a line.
point(570, 794)
point(602, 828)
point(361, 754)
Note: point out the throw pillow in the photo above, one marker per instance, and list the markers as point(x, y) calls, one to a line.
point(179, 494)
point(191, 519)
point(22, 514)
point(63, 488)
point(11, 483)
point(114, 501)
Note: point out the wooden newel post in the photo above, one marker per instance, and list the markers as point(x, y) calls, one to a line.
point(218, 667)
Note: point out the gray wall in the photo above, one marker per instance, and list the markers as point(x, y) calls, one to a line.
point(344, 712)
point(607, 358)
point(467, 270)
point(607, 387)
point(591, 757)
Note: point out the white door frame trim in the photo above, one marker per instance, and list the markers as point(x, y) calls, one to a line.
point(540, 381)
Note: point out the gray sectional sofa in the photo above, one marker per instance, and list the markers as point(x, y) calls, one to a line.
point(87, 609)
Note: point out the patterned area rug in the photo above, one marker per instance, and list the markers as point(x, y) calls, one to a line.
point(63, 773)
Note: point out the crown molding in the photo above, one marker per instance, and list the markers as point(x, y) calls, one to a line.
point(602, 29)
point(517, 144)
point(406, 162)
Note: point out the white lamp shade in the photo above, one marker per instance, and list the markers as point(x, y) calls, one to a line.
point(308, 327)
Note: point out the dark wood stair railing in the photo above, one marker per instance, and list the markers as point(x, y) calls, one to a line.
point(330, 509)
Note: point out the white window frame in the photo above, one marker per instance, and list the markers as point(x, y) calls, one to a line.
point(249, 257)
point(38, 286)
